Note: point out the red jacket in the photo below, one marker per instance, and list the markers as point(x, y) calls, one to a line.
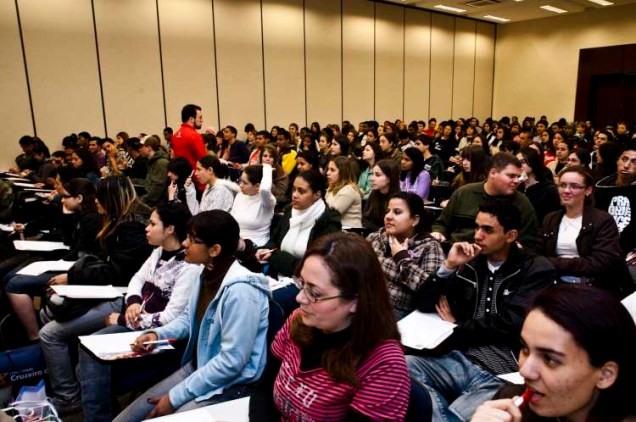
point(188, 143)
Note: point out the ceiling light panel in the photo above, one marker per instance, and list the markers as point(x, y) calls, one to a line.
point(449, 9)
point(496, 18)
point(553, 9)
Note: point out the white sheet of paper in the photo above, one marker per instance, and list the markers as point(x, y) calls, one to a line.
point(86, 292)
point(232, 411)
point(24, 185)
point(38, 245)
point(512, 377)
point(40, 267)
point(108, 346)
point(7, 227)
point(424, 331)
point(18, 179)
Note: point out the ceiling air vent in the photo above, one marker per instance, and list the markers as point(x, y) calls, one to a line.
point(481, 3)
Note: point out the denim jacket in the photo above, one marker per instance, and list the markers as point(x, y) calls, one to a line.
point(231, 341)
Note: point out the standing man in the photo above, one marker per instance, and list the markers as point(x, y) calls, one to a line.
point(187, 142)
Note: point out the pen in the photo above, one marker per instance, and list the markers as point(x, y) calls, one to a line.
point(165, 341)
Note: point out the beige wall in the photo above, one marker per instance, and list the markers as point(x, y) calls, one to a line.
point(130, 65)
point(536, 62)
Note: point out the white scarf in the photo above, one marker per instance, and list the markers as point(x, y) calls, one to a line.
point(300, 225)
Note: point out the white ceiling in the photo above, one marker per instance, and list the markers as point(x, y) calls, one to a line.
point(514, 10)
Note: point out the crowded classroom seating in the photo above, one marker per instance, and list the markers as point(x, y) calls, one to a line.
point(285, 266)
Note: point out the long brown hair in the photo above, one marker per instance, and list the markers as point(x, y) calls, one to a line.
point(356, 271)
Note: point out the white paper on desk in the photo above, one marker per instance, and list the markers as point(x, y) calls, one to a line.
point(513, 378)
point(86, 292)
point(38, 245)
point(424, 331)
point(40, 267)
point(229, 411)
point(6, 173)
point(24, 185)
point(7, 227)
point(116, 346)
point(18, 179)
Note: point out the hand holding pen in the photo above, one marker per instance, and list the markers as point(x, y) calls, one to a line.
point(147, 342)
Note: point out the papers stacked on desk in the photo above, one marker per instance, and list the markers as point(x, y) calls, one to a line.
point(424, 331)
point(38, 245)
point(117, 346)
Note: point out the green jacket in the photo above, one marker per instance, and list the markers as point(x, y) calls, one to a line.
point(156, 178)
point(6, 201)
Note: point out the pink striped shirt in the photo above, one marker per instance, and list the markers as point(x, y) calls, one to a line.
point(382, 394)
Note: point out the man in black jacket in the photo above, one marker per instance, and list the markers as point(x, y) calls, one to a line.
point(485, 288)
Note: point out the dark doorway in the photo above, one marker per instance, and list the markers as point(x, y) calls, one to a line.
point(606, 85)
point(612, 99)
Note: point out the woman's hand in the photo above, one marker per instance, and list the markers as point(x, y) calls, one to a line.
point(58, 279)
point(396, 246)
point(172, 191)
point(162, 407)
point(444, 310)
point(497, 411)
point(140, 347)
point(263, 255)
point(132, 314)
point(112, 319)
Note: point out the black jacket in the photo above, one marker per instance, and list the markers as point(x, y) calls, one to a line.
point(525, 275)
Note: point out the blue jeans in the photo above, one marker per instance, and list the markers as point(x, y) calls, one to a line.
point(99, 380)
point(55, 338)
point(139, 409)
point(456, 385)
point(95, 382)
point(32, 285)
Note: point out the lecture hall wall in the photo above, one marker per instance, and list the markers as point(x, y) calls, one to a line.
point(106, 66)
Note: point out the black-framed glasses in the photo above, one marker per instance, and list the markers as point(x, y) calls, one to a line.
point(309, 293)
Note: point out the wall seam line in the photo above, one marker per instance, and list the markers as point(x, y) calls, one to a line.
point(26, 68)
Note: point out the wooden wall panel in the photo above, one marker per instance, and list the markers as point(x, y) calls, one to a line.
point(15, 110)
point(417, 65)
point(389, 62)
point(442, 50)
point(464, 68)
point(239, 57)
point(62, 50)
point(187, 45)
point(284, 62)
point(324, 61)
point(358, 67)
point(484, 68)
point(128, 39)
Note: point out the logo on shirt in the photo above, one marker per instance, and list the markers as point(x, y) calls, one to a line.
point(621, 210)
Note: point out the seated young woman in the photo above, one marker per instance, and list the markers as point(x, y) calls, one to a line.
point(303, 221)
point(280, 179)
point(156, 295)
point(582, 242)
point(338, 357)
point(371, 154)
point(225, 321)
point(413, 177)
point(385, 181)
point(124, 250)
point(407, 253)
point(343, 193)
point(217, 195)
point(253, 207)
point(80, 224)
point(577, 361)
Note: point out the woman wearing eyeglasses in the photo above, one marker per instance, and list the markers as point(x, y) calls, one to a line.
point(582, 241)
point(338, 357)
point(225, 322)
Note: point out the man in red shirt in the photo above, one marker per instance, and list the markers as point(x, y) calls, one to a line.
point(187, 142)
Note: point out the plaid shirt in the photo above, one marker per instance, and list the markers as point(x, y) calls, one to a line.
point(408, 270)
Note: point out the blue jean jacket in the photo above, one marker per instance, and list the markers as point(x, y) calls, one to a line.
point(231, 341)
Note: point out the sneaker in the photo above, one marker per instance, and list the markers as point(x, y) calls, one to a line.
point(65, 408)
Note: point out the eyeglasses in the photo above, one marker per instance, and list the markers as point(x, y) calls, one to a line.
point(309, 293)
point(571, 186)
point(195, 240)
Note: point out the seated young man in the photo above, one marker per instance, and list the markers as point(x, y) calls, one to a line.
point(485, 288)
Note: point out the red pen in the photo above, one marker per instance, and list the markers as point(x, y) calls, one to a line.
point(519, 401)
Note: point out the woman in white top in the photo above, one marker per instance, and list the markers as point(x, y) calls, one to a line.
point(343, 193)
point(253, 207)
point(582, 241)
point(217, 194)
